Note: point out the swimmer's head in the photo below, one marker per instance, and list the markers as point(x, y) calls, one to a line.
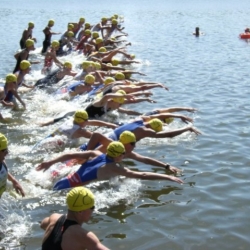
point(80, 116)
point(109, 80)
point(97, 65)
point(168, 120)
point(99, 40)
point(114, 21)
point(68, 65)
point(51, 22)
point(115, 149)
point(80, 199)
point(31, 25)
point(11, 78)
point(95, 34)
point(102, 49)
point(82, 20)
point(156, 124)
point(115, 61)
point(86, 64)
point(70, 34)
point(70, 26)
point(55, 44)
point(24, 64)
point(87, 32)
point(3, 142)
point(87, 25)
point(247, 30)
point(119, 76)
point(104, 19)
point(127, 137)
point(119, 99)
point(132, 56)
point(29, 43)
point(89, 79)
point(115, 16)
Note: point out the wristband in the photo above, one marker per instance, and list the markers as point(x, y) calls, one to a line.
point(167, 165)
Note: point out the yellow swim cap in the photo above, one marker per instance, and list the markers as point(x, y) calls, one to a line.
point(127, 137)
point(99, 40)
point(89, 79)
point(70, 34)
point(87, 25)
point(87, 32)
point(97, 65)
point(115, 61)
point(108, 80)
point(81, 116)
point(3, 142)
point(29, 43)
point(51, 22)
point(67, 65)
point(86, 64)
point(156, 124)
point(55, 44)
point(168, 120)
point(115, 149)
point(132, 56)
point(104, 19)
point(114, 21)
point(115, 16)
point(70, 26)
point(119, 99)
point(109, 64)
point(24, 64)
point(102, 49)
point(11, 78)
point(80, 199)
point(95, 34)
point(119, 76)
point(31, 25)
point(82, 20)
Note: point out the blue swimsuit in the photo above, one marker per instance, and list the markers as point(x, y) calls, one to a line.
point(128, 126)
point(87, 172)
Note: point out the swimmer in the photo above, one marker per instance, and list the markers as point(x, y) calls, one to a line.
point(50, 57)
point(10, 86)
point(75, 128)
point(24, 54)
point(56, 76)
point(66, 231)
point(4, 173)
point(78, 26)
point(99, 167)
point(27, 34)
point(25, 68)
point(128, 140)
point(66, 41)
point(48, 34)
point(150, 127)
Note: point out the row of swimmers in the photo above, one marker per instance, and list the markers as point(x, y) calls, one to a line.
point(100, 158)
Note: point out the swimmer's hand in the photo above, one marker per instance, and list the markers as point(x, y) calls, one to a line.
point(175, 179)
point(192, 110)
point(18, 188)
point(186, 119)
point(196, 131)
point(43, 166)
point(150, 100)
point(173, 169)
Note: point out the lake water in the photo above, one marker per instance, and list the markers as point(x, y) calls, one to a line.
point(210, 73)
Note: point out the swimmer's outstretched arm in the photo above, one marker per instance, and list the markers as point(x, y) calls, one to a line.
point(146, 175)
point(176, 109)
point(101, 124)
point(128, 111)
point(163, 116)
point(82, 155)
point(153, 162)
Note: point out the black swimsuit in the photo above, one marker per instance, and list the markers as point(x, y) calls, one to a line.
point(54, 240)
